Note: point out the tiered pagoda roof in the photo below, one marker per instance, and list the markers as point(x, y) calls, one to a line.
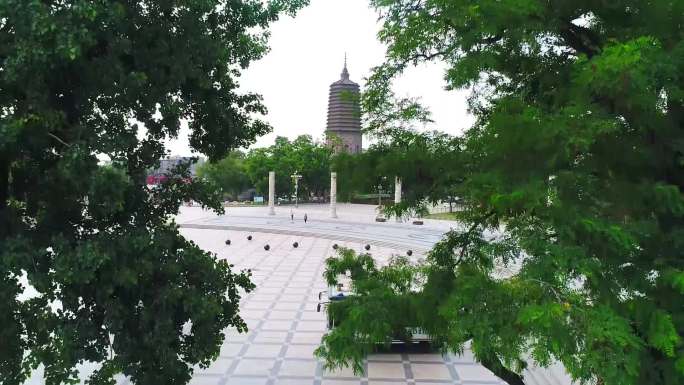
point(344, 113)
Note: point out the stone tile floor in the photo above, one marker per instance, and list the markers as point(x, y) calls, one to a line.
point(285, 328)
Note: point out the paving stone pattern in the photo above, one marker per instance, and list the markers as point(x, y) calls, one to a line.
point(284, 327)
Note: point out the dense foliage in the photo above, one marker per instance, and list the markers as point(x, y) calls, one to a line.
point(423, 161)
point(370, 315)
point(229, 174)
point(303, 155)
point(115, 283)
point(572, 179)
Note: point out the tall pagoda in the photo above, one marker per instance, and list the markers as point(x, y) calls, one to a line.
point(344, 115)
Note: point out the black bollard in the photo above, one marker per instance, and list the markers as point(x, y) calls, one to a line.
point(295, 245)
point(249, 237)
point(267, 247)
point(335, 246)
point(409, 253)
point(367, 247)
point(227, 241)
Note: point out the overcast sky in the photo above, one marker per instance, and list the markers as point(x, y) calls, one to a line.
point(307, 54)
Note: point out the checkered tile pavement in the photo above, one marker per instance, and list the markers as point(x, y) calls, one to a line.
point(284, 327)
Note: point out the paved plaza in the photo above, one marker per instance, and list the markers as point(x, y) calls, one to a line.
point(356, 223)
point(284, 326)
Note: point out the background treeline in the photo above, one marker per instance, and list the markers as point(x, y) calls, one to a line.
point(239, 171)
point(423, 161)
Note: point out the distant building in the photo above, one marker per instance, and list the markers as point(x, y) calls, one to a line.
point(344, 115)
point(158, 175)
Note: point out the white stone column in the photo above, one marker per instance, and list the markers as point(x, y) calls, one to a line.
point(271, 193)
point(397, 193)
point(333, 195)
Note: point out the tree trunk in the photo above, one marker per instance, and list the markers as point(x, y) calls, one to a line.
point(493, 363)
point(4, 196)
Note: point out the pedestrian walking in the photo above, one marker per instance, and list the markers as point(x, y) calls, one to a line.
point(305, 218)
point(291, 216)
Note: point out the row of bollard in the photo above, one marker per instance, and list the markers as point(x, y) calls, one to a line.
point(267, 247)
point(367, 247)
point(296, 245)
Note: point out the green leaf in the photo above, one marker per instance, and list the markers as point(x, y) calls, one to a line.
point(662, 333)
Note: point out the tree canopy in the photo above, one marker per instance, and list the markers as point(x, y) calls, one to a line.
point(571, 246)
point(423, 161)
point(309, 158)
point(115, 282)
point(228, 174)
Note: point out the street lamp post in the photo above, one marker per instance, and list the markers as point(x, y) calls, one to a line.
point(379, 195)
point(296, 178)
point(380, 191)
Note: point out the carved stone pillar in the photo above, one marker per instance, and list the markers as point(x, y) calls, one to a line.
point(397, 193)
point(333, 195)
point(271, 193)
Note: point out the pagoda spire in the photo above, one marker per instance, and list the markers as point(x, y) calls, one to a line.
point(345, 73)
